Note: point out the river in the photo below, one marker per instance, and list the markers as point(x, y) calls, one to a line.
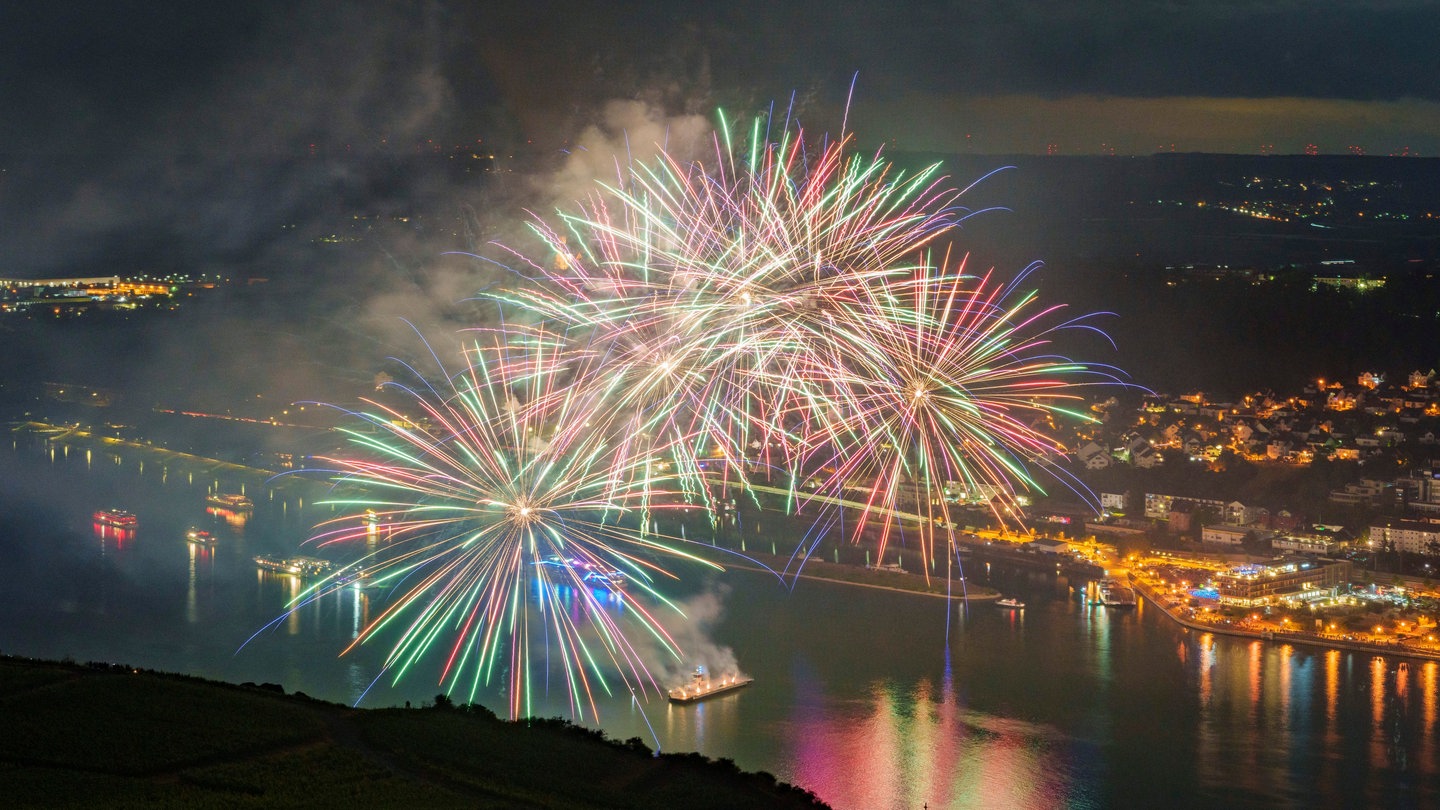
point(870, 699)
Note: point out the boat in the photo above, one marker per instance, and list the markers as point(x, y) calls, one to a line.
point(199, 537)
point(297, 566)
point(232, 502)
point(357, 575)
point(118, 518)
point(555, 560)
point(277, 564)
point(614, 580)
point(1116, 594)
point(701, 687)
point(1009, 602)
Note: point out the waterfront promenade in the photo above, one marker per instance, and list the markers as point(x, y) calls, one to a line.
point(1187, 616)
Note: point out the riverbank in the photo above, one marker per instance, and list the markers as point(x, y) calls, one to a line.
point(876, 578)
point(813, 569)
point(1179, 613)
point(76, 436)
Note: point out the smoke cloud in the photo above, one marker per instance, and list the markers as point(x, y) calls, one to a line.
point(693, 634)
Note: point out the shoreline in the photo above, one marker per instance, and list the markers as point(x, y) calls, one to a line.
point(1145, 592)
point(280, 481)
point(817, 570)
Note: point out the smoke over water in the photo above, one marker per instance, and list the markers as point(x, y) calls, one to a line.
point(692, 631)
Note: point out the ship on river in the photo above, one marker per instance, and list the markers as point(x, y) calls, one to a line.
point(1116, 594)
point(305, 567)
point(232, 502)
point(119, 518)
point(701, 687)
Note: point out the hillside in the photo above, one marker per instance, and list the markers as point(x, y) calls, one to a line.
point(83, 735)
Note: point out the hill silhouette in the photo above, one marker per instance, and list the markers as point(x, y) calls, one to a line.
point(104, 734)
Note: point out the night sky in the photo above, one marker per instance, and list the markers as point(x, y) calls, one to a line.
point(144, 136)
point(993, 77)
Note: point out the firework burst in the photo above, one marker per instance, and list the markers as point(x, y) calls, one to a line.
point(778, 308)
point(774, 309)
point(503, 512)
point(944, 388)
point(707, 292)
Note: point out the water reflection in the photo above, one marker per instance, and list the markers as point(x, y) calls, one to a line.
point(198, 554)
point(1332, 692)
point(1295, 720)
point(235, 519)
point(1377, 690)
point(1428, 672)
point(115, 537)
point(1206, 664)
point(917, 743)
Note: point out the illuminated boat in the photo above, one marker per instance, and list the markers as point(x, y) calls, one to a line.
point(297, 566)
point(562, 562)
point(279, 565)
point(232, 502)
point(1116, 594)
point(357, 575)
point(118, 518)
point(613, 580)
point(199, 537)
point(1010, 602)
point(701, 687)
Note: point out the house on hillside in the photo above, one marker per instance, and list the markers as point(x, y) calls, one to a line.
point(1113, 501)
point(1146, 457)
point(1093, 456)
point(1225, 534)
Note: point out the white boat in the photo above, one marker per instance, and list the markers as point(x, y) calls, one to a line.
point(1114, 593)
point(1010, 602)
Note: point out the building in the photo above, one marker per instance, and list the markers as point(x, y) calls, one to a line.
point(1224, 534)
point(1320, 545)
point(1046, 545)
point(1239, 514)
point(1409, 536)
point(1159, 507)
point(1113, 501)
point(1366, 491)
point(1093, 456)
point(1119, 528)
point(1282, 581)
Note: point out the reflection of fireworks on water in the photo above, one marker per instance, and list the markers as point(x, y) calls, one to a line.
point(492, 491)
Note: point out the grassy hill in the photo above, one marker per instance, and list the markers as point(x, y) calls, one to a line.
point(90, 735)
